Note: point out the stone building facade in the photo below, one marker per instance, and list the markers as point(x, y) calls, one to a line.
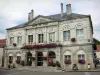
point(66, 38)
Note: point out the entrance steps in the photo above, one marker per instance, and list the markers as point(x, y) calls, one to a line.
point(39, 69)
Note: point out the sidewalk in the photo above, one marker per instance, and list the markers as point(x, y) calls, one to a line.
point(4, 68)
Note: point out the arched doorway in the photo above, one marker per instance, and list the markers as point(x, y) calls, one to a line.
point(39, 59)
point(29, 58)
point(51, 58)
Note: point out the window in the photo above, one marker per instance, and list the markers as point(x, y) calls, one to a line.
point(18, 59)
point(67, 57)
point(30, 39)
point(79, 33)
point(19, 39)
point(10, 59)
point(81, 57)
point(11, 40)
point(66, 35)
point(40, 38)
point(52, 37)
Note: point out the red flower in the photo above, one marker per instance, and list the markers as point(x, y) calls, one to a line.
point(81, 61)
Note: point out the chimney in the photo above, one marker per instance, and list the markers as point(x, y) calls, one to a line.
point(30, 15)
point(68, 8)
point(61, 9)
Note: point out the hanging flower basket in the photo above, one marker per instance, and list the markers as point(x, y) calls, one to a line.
point(81, 61)
point(73, 39)
point(51, 45)
point(14, 44)
point(67, 61)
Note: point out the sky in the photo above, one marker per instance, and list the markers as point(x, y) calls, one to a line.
point(15, 12)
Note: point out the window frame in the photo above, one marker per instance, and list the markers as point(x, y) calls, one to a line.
point(66, 36)
point(30, 39)
point(80, 35)
point(40, 38)
point(19, 40)
point(11, 40)
point(52, 37)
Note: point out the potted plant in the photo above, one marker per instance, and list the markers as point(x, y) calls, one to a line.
point(73, 39)
point(75, 67)
point(58, 64)
point(14, 44)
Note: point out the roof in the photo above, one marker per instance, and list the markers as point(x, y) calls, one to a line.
point(98, 47)
point(2, 43)
point(55, 17)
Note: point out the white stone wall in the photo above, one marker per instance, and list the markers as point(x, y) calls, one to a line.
point(71, 25)
point(45, 29)
point(58, 28)
point(15, 33)
point(98, 54)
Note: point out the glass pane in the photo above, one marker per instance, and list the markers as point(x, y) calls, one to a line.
point(64, 35)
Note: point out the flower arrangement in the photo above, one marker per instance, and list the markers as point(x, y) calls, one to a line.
point(81, 61)
point(73, 39)
point(14, 44)
point(67, 61)
point(51, 45)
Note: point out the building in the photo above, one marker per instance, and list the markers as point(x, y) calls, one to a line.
point(98, 51)
point(43, 40)
point(2, 46)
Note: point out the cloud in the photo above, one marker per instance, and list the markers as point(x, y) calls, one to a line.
point(14, 12)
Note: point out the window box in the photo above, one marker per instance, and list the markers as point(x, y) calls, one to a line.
point(73, 39)
point(67, 61)
point(81, 61)
point(51, 45)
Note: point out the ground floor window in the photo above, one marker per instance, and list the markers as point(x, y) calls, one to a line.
point(67, 59)
point(10, 59)
point(18, 59)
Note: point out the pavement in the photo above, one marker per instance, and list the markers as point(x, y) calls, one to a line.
point(24, 72)
point(5, 71)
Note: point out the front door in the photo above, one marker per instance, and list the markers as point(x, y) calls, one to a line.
point(39, 59)
point(29, 59)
